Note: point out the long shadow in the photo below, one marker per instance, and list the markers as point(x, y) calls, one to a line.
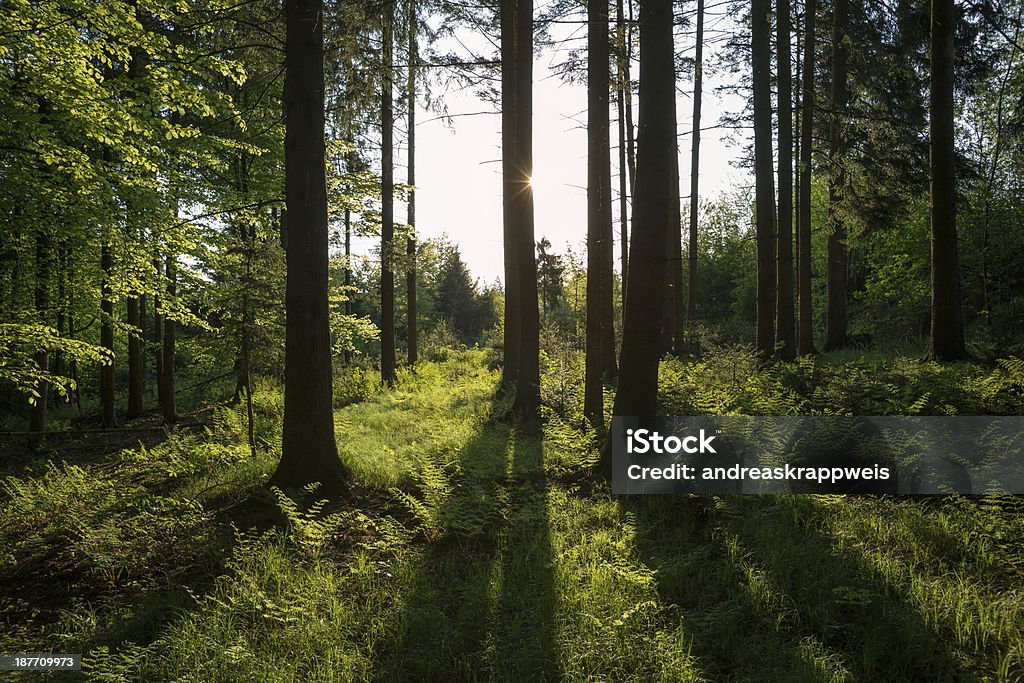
point(764, 596)
point(480, 603)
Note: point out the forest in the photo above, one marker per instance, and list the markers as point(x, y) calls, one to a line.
point(259, 422)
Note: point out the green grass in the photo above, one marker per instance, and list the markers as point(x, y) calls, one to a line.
point(471, 551)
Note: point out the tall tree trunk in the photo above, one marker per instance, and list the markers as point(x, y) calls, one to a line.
point(44, 268)
point(107, 332)
point(637, 392)
point(158, 339)
point(410, 243)
point(511, 187)
point(348, 273)
point(168, 407)
point(698, 89)
point(947, 331)
point(622, 77)
point(785, 333)
point(807, 107)
point(838, 256)
point(527, 401)
point(309, 452)
point(764, 199)
point(630, 130)
point(600, 358)
point(674, 306)
point(387, 210)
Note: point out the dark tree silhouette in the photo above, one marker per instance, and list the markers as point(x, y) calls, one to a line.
point(838, 258)
point(785, 331)
point(698, 84)
point(764, 199)
point(806, 339)
point(947, 342)
point(387, 209)
point(600, 357)
point(513, 185)
point(308, 453)
point(410, 243)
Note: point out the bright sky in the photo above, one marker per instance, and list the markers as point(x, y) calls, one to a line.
point(458, 168)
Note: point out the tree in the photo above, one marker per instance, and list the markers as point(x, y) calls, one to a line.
point(308, 452)
point(600, 356)
point(513, 184)
point(637, 393)
point(806, 336)
point(698, 81)
point(764, 202)
point(387, 210)
point(410, 243)
point(947, 336)
point(838, 258)
point(785, 324)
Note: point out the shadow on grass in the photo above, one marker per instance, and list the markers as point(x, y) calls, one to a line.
point(480, 602)
point(764, 595)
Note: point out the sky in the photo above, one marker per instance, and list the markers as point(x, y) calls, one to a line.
point(458, 169)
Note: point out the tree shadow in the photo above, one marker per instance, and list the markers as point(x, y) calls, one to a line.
point(480, 602)
point(764, 594)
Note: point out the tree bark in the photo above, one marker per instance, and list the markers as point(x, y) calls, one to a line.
point(527, 401)
point(168, 407)
point(135, 367)
point(637, 392)
point(785, 333)
point(410, 243)
point(511, 187)
point(308, 453)
point(622, 76)
point(698, 85)
point(44, 268)
point(600, 357)
point(764, 194)
point(387, 211)
point(947, 333)
point(838, 257)
point(107, 333)
point(807, 107)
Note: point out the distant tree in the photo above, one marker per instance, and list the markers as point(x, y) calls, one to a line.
point(410, 243)
point(387, 211)
point(550, 273)
point(807, 116)
point(698, 81)
point(785, 334)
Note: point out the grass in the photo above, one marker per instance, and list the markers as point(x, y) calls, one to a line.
point(472, 552)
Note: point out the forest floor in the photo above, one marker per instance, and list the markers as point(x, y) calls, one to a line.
point(471, 551)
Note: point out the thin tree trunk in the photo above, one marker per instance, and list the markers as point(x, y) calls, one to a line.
point(947, 342)
point(838, 256)
point(785, 333)
point(387, 212)
point(309, 452)
point(622, 76)
point(527, 401)
point(806, 147)
point(600, 357)
point(348, 273)
point(698, 89)
point(158, 340)
point(630, 130)
point(764, 209)
point(134, 358)
point(410, 243)
point(168, 399)
point(511, 187)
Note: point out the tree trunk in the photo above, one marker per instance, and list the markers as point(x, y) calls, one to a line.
point(158, 340)
point(600, 357)
point(308, 450)
point(387, 210)
point(410, 243)
point(947, 342)
point(785, 334)
point(134, 358)
point(527, 401)
point(622, 76)
point(838, 258)
point(637, 392)
point(348, 273)
point(806, 146)
point(764, 198)
point(698, 88)
point(168, 407)
point(512, 186)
